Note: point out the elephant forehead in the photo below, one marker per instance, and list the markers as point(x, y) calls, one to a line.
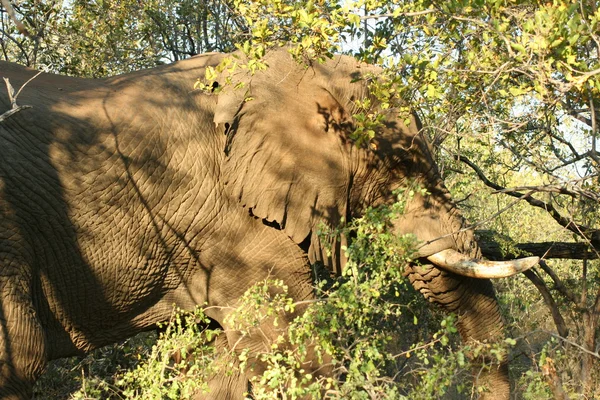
point(343, 76)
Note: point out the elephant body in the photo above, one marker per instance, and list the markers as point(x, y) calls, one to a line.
point(121, 197)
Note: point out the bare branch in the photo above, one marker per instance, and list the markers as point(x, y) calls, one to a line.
point(562, 141)
point(547, 250)
point(594, 153)
point(23, 85)
point(11, 112)
point(404, 14)
point(580, 230)
point(558, 284)
point(576, 114)
point(576, 158)
point(569, 191)
point(541, 287)
point(522, 157)
point(572, 343)
point(12, 96)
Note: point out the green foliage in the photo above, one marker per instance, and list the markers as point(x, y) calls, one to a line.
point(93, 376)
point(108, 37)
point(264, 301)
point(311, 27)
point(533, 380)
point(179, 364)
point(172, 366)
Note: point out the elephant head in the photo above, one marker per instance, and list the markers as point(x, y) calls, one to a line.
point(291, 163)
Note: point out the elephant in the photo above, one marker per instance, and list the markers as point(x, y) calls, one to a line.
point(122, 196)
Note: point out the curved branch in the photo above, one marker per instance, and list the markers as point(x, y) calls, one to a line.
point(570, 342)
point(4, 116)
point(12, 96)
point(572, 191)
point(538, 282)
point(585, 232)
point(559, 285)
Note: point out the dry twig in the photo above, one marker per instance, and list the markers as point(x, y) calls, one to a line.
point(12, 96)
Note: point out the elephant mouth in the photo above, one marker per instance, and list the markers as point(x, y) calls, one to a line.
point(455, 262)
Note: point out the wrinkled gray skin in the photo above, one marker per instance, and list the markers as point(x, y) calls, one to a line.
point(120, 197)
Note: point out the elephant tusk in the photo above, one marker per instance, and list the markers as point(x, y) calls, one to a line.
point(453, 261)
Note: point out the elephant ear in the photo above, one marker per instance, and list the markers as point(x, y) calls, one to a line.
point(288, 161)
point(228, 105)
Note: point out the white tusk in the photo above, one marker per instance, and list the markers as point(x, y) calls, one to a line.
point(453, 261)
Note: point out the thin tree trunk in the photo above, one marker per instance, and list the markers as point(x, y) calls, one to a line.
point(589, 361)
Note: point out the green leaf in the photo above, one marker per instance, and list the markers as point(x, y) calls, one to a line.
point(518, 47)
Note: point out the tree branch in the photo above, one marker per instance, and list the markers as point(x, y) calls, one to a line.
point(592, 235)
point(562, 141)
point(559, 285)
point(403, 14)
point(11, 112)
point(577, 114)
point(573, 160)
point(12, 96)
point(538, 282)
point(569, 191)
point(560, 250)
point(572, 343)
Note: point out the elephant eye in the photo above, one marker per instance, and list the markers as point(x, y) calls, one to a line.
point(215, 85)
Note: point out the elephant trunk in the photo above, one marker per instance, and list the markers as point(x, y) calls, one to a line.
point(479, 319)
point(454, 277)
